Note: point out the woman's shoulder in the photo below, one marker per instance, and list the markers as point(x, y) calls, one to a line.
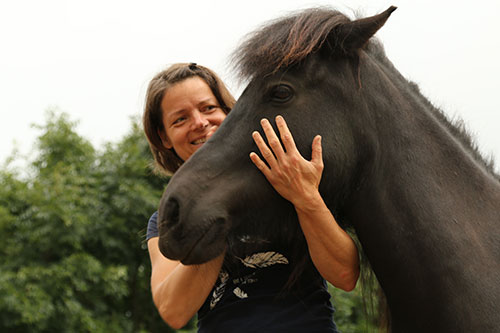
point(152, 230)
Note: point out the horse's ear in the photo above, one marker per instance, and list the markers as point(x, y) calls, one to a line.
point(354, 35)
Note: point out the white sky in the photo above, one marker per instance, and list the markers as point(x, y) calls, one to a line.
point(93, 59)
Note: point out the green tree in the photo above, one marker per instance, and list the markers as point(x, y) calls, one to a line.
point(72, 230)
point(354, 312)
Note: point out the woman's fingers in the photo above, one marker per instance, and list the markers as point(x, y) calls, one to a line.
point(264, 150)
point(272, 139)
point(273, 152)
point(317, 152)
point(260, 164)
point(286, 135)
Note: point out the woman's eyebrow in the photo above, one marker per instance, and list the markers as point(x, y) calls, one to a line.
point(209, 100)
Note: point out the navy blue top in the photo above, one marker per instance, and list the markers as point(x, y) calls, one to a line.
point(252, 297)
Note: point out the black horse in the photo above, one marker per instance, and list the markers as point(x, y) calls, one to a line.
point(424, 205)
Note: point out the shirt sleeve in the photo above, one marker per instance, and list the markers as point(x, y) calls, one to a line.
point(152, 226)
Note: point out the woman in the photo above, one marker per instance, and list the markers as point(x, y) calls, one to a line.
point(185, 105)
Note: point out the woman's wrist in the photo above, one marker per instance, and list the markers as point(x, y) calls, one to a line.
point(310, 202)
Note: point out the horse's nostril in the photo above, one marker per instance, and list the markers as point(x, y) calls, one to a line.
point(172, 212)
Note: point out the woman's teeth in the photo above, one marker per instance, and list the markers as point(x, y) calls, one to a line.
point(199, 141)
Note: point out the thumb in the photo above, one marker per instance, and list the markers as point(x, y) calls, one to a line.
point(317, 151)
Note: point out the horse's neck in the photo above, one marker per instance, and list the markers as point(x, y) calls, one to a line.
point(423, 160)
point(429, 217)
point(430, 190)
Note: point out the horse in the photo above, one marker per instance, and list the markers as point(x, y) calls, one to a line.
point(423, 202)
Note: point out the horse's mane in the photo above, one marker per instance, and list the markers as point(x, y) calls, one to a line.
point(285, 41)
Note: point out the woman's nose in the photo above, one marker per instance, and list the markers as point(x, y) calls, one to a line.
point(199, 120)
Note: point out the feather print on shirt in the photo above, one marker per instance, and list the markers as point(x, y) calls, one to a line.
point(264, 259)
point(240, 293)
point(219, 290)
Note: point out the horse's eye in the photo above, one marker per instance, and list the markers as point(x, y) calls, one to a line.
point(281, 93)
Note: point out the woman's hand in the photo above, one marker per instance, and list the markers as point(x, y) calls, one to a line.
point(292, 176)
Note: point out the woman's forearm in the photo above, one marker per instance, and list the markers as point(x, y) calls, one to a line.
point(332, 250)
point(179, 291)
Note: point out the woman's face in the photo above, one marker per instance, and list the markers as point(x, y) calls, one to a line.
point(191, 114)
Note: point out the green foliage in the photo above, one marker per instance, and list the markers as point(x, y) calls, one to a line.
point(74, 256)
point(352, 313)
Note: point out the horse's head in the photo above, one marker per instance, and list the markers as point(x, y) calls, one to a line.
point(306, 68)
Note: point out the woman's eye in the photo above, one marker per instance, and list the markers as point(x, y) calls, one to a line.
point(209, 108)
point(179, 120)
point(281, 93)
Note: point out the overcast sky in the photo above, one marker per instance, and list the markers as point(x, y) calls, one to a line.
point(93, 59)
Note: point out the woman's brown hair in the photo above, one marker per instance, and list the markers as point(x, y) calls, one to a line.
point(167, 160)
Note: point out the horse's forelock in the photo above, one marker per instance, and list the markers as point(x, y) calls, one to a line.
point(285, 42)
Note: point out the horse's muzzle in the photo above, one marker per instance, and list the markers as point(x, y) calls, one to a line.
point(189, 237)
